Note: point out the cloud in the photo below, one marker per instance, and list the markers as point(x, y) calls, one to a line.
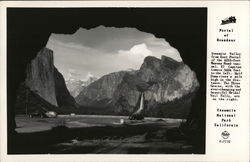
point(102, 50)
point(133, 58)
point(160, 47)
point(73, 71)
point(89, 75)
point(71, 74)
point(139, 50)
point(54, 43)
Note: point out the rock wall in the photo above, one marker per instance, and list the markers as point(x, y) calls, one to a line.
point(169, 87)
point(40, 76)
point(44, 84)
point(101, 91)
point(63, 96)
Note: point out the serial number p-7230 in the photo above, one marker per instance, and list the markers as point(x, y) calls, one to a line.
point(224, 141)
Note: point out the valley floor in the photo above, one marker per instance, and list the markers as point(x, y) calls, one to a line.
point(99, 134)
point(37, 124)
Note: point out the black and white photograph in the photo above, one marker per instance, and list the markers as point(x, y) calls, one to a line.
point(114, 80)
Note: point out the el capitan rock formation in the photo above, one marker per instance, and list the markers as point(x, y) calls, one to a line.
point(168, 87)
point(44, 84)
point(40, 76)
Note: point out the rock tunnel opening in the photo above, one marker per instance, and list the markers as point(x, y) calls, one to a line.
point(28, 30)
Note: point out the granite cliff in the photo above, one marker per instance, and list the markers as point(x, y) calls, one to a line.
point(168, 87)
point(100, 93)
point(44, 85)
point(40, 76)
point(76, 86)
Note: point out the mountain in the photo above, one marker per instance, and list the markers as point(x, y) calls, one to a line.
point(40, 76)
point(100, 91)
point(76, 86)
point(63, 96)
point(168, 87)
point(44, 84)
point(90, 80)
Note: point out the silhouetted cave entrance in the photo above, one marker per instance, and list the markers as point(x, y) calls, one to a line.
point(28, 30)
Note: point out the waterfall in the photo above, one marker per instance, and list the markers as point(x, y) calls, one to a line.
point(138, 114)
point(141, 104)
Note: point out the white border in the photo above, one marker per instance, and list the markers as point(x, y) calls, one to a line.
point(209, 156)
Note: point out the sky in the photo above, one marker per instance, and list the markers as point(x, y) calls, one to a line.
point(102, 50)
